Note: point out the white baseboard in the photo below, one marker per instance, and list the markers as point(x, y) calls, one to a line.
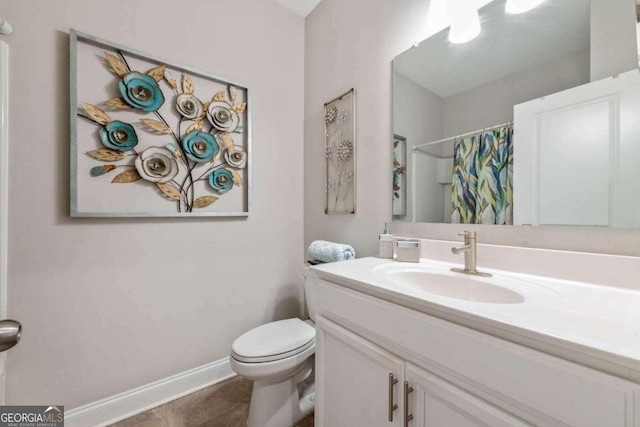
point(124, 405)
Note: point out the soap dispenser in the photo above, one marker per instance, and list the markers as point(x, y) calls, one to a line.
point(386, 243)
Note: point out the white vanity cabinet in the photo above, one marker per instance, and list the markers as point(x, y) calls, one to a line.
point(434, 402)
point(455, 376)
point(363, 384)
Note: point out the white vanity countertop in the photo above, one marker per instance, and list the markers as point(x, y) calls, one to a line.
point(597, 321)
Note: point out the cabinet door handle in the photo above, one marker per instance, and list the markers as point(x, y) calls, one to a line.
point(392, 406)
point(407, 416)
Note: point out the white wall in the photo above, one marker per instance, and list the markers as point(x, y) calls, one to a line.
point(351, 44)
point(110, 304)
point(614, 48)
point(418, 117)
point(492, 103)
point(429, 195)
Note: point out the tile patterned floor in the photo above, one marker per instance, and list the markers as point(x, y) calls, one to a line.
point(222, 405)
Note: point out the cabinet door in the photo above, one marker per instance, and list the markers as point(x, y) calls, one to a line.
point(353, 380)
point(435, 402)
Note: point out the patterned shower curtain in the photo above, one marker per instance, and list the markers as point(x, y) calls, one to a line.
point(482, 186)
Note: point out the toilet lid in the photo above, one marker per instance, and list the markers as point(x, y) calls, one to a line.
point(283, 338)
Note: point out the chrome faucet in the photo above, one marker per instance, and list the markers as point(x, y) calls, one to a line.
point(469, 250)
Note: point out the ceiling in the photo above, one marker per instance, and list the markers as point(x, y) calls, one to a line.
point(299, 7)
point(506, 45)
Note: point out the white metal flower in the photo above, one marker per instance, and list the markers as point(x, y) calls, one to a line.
point(157, 164)
point(331, 186)
point(222, 116)
point(189, 106)
point(345, 150)
point(236, 158)
point(331, 114)
point(347, 176)
point(328, 151)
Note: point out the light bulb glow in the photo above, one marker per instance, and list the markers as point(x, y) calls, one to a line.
point(465, 25)
point(521, 6)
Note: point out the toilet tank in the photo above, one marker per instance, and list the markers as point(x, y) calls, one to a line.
point(310, 293)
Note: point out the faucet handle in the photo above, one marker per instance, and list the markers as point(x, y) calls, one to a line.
point(468, 234)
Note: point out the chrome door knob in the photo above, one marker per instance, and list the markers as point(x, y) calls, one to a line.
point(10, 334)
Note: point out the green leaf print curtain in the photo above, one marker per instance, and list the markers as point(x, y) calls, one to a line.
point(482, 188)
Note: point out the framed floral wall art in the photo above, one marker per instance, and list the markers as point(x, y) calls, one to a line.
point(340, 154)
point(153, 138)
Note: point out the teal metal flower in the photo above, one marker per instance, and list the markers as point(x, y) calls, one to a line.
point(200, 146)
point(119, 136)
point(221, 180)
point(141, 91)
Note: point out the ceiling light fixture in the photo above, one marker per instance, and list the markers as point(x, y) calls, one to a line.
point(521, 6)
point(465, 21)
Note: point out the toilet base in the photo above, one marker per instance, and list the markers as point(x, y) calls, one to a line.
point(284, 403)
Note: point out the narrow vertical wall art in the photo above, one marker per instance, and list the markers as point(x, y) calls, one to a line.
point(153, 138)
point(340, 154)
point(399, 177)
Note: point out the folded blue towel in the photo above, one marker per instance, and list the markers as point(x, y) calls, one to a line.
point(321, 250)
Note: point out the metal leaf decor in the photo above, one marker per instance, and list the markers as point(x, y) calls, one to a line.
point(197, 125)
point(107, 155)
point(180, 137)
point(204, 201)
point(171, 81)
point(219, 96)
point(170, 190)
point(240, 108)
point(118, 67)
point(236, 176)
point(157, 72)
point(117, 103)
point(225, 140)
point(187, 84)
point(127, 177)
point(97, 115)
point(101, 170)
point(156, 125)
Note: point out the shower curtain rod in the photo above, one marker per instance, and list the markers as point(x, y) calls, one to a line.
point(417, 147)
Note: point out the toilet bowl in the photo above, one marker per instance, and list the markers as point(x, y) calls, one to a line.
point(279, 358)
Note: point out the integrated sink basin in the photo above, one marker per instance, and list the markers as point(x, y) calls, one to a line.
point(454, 286)
point(429, 280)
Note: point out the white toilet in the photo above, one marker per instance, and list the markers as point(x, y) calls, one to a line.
point(279, 358)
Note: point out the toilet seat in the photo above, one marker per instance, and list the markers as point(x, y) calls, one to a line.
point(274, 341)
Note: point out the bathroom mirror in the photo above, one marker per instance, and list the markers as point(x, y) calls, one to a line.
point(532, 122)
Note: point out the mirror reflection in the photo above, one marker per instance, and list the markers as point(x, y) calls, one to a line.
point(522, 123)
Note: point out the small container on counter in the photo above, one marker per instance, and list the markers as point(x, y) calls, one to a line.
point(408, 250)
point(386, 243)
